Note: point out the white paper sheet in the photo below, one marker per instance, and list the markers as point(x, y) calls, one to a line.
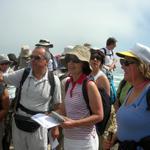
point(45, 120)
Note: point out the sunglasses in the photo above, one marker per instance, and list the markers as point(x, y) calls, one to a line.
point(72, 58)
point(36, 57)
point(96, 56)
point(126, 62)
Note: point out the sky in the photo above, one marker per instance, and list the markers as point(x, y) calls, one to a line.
point(72, 22)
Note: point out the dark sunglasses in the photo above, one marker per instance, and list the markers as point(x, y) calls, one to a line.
point(96, 56)
point(126, 62)
point(72, 58)
point(34, 57)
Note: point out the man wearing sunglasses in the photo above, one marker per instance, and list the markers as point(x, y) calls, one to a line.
point(35, 97)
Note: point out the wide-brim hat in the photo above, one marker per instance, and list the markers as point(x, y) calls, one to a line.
point(44, 43)
point(4, 59)
point(81, 52)
point(139, 51)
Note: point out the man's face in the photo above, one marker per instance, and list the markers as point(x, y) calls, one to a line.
point(38, 60)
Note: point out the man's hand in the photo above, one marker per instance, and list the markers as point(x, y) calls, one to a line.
point(55, 132)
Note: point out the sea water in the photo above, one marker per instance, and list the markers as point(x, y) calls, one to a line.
point(118, 75)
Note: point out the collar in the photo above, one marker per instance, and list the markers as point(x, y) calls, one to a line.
point(80, 79)
point(43, 78)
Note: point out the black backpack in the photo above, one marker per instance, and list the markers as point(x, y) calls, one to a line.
point(100, 126)
point(18, 92)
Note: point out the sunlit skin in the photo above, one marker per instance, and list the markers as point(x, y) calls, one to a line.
point(39, 67)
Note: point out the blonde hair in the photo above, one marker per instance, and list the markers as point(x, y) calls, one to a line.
point(144, 68)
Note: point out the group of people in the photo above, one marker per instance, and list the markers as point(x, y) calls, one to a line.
point(39, 89)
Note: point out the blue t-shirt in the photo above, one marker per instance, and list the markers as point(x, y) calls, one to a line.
point(134, 120)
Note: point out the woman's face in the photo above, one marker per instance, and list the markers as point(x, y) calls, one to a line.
point(74, 65)
point(95, 63)
point(130, 67)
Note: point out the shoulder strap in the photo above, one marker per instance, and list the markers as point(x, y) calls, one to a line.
point(122, 84)
point(51, 80)
point(104, 50)
point(18, 91)
point(85, 94)
point(148, 99)
point(66, 85)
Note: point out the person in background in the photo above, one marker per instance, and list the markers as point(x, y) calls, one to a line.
point(4, 107)
point(109, 65)
point(133, 119)
point(96, 63)
point(5, 68)
point(12, 57)
point(79, 125)
point(52, 65)
point(35, 98)
point(24, 57)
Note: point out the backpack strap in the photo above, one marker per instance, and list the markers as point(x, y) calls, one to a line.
point(51, 80)
point(67, 85)
point(84, 91)
point(105, 52)
point(85, 94)
point(122, 84)
point(148, 99)
point(18, 90)
point(24, 76)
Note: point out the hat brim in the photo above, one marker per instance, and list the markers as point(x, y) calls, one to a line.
point(45, 45)
point(126, 54)
point(78, 55)
point(5, 61)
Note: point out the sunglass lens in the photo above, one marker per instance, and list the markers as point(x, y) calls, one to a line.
point(72, 58)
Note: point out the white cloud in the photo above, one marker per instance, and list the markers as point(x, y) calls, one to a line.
point(72, 21)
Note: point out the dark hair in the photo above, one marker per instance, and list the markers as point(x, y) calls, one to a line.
point(110, 41)
point(98, 54)
point(86, 68)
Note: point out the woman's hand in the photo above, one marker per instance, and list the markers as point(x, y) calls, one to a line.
point(68, 123)
point(107, 144)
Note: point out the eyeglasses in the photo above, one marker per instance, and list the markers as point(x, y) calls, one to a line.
point(72, 58)
point(126, 62)
point(36, 57)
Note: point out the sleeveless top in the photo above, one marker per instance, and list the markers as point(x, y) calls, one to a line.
point(134, 119)
point(76, 108)
point(99, 74)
